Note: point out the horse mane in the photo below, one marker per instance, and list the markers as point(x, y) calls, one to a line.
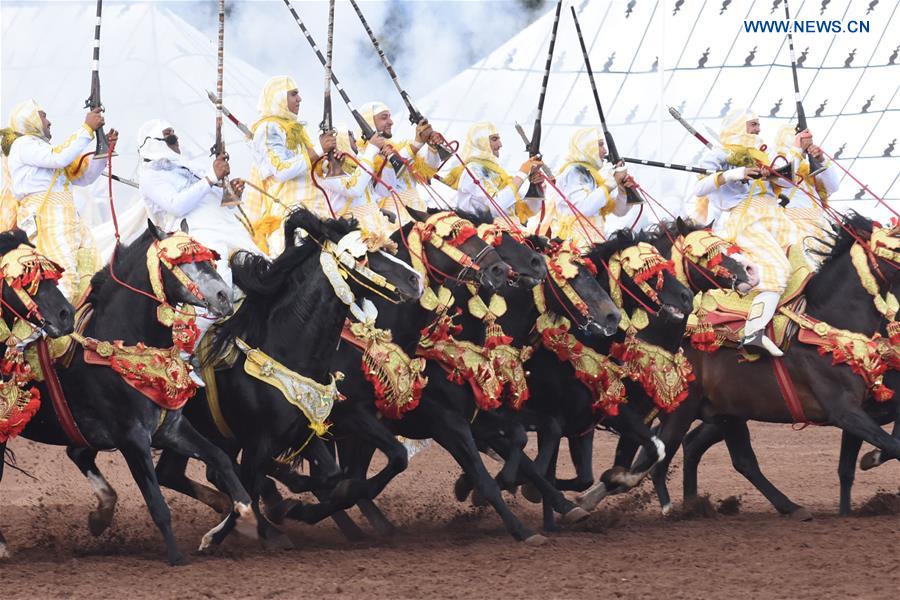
point(127, 257)
point(669, 230)
point(263, 279)
point(481, 217)
point(619, 240)
point(838, 241)
point(12, 239)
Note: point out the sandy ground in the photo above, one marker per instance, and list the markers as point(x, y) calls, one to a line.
point(449, 550)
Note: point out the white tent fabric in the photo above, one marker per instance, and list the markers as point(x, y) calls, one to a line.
point(694, 55)
point(152, 64)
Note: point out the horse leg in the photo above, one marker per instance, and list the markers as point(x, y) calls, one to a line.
point(630, 423)
point(178, 435)
point(737, 438)
point(850, 445)
point(453, 433)
point(170, 470)
point(4, 550)
point(873, 458)
point(696, 443)
point(581, 451)
point(101, 517)
point(495, 430)
point(136, 450)
point(549, 435)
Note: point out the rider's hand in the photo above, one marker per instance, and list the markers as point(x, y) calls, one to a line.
point(328, 142)
point(377, 141)
point(112, 136)
point(816, 152)
point(423, 131)
point(221, 167)
point(803, 140)
point(237, 184)
point(94, 119)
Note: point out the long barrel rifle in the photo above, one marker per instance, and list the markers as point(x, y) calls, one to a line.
point(815, 166)
point(521, 131)
point(367, 131)
point(229, 197)
point(237, 123)
point(93, 101)
point(631, 195)
point(533, 146)
point(666, 165)
point(415, 117)
point(326, 126)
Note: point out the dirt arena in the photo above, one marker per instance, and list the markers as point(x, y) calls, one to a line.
point(449, 550)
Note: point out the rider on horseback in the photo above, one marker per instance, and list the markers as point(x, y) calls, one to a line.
point(481, 154)
point(283, 156)
point(751, 216)
point(173, 190)
point(592, 184)
point(41, 175)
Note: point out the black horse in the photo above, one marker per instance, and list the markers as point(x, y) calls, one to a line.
point(294, 314)
point(830, 394)
point(703, 262)
point(444, 409)
point(569, 408)
point(108, 412)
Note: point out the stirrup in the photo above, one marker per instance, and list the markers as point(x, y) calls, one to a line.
point(759, 340)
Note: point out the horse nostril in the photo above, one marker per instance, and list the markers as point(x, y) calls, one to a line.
point(222, 297)
point(612, 319)
point(536, 263)
point(414, 281)
point(686, 298)
point(498, 271)
point(65, 314)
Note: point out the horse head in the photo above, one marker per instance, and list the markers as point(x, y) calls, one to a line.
point(527, 266)
point(640, 277)
point(365, 261)
point(703, 260)
point(442, 244)
point(29, 286)
point(572, 289)
point(182, 271)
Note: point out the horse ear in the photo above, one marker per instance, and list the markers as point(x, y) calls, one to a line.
point(681, 225)
point(184, 225)
point(418, 215)
point(156, 231)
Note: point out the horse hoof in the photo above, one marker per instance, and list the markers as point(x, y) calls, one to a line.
point(536, 540)
point(278, 541)
point(99, 521)
point(591, 498)
point(179, 560)
point(478, 500)
point(531, 493)
point(279, 512)
point(667, 509)
point(801, 514)
point(614, 477)
point(4, 552)
point(462, 488)
point(870, 460)
point(576, 515)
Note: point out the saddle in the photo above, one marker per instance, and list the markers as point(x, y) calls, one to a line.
point(719, 315)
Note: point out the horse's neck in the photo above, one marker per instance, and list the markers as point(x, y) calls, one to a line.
point(836, 295)
point(663, 333)
point(303, 332)
point(123, 314)
point(404, 321)
point(520, 316)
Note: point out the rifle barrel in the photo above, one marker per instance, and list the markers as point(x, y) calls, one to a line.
point(666, 165)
